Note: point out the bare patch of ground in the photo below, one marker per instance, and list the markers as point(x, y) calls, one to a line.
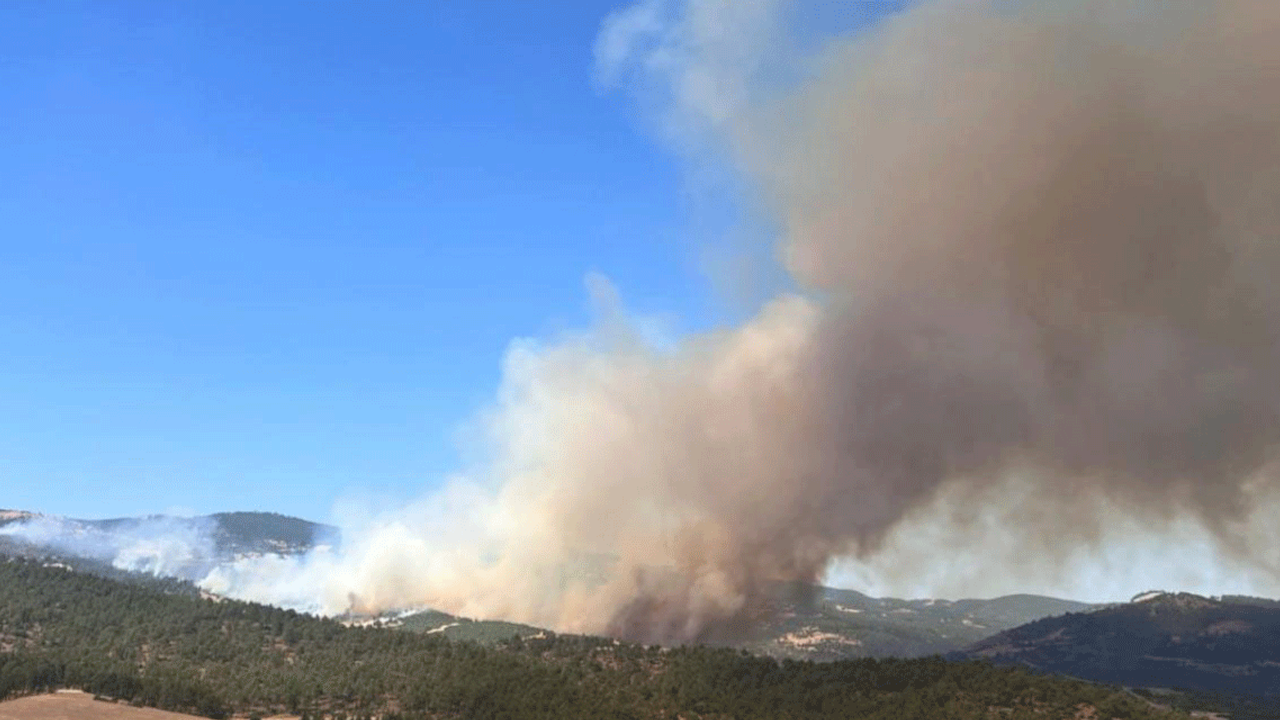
point(75, 705)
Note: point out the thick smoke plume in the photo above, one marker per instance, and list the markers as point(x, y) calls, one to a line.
point(1035, 250)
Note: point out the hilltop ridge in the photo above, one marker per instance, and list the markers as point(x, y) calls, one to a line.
point(67, 629)
point(1159, 639)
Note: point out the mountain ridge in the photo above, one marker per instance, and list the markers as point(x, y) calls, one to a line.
point(235, 530)
point(793, 620)
point(1168, 639)
point(65, 629)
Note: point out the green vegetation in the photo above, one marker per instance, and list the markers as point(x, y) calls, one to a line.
point(1229, 646)
point(1207, 704)
point(268, 532)
point(230, 533)
point(788, 620)
point(817, 623)
point(46, 557)
point(485, 632)
point(809, 622)
point(60, 628)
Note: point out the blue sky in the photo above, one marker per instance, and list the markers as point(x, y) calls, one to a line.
point(263, 255)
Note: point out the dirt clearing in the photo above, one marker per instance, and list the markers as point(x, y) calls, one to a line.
point(75, 705)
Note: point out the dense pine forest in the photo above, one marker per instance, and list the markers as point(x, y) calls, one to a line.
point(219, 658)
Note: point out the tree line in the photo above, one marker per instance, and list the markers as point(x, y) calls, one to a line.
point(178, 651)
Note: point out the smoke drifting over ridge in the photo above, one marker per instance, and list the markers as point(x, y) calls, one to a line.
point(1036, 247)
point(157, 545)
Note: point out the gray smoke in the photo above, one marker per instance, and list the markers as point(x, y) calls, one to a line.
point(1035, 248)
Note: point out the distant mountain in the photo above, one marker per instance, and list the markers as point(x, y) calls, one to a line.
point(237, 533)
point(182, 547)
point(12, 516)
point(262, 532)
point(821, 623)
point(817, 623)
point(1179, 640)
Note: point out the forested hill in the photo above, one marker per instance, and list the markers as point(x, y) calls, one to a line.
point(60, 628)
point(227, 535)
point(789, 620)
point(1230, 644)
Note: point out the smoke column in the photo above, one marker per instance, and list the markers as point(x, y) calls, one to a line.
point(1034, 250)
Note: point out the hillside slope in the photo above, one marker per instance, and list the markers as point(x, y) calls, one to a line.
point(795, 621)
point(821, 623)
point(1164, 640)
point(182, 547)
point(64, 629)
point(816, 623)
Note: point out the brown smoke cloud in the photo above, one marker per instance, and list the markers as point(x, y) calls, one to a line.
point(1036, 247)
point(1047, 237)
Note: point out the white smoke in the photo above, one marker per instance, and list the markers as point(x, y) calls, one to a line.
point(162, 545)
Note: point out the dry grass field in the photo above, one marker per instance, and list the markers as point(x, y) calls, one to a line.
point(75, 705)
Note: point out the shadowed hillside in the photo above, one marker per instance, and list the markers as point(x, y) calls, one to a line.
point(1164, 640)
